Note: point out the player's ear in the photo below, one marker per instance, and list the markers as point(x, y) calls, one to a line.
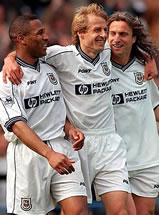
point(21, 38)
point(80, 34)
point(134, 39)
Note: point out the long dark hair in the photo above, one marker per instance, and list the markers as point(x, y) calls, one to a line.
point(143, 45)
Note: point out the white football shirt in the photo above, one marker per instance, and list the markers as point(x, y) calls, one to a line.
point(38, 101)
point(134, 101)
point(86, 85)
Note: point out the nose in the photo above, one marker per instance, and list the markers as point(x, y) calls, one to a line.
point(116, 37)
point(104, 33)
point(45, 36)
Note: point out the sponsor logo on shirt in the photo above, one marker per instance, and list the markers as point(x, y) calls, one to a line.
point(82, 184)
point(118, 99)
point(94, 88)
point(26, 204)
point(31, 82)
point(139, 77)
point(105, 68)
point(125, 181)
point(45, 98)
point(83, 89)
point(84, 70)
point(156, 186)
point(131, 96)
point(31, 102)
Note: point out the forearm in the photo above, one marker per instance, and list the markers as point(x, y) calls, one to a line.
point(3, 143)
point(10, 56)
point(75, 135)
point(11, 69)
point(30, 138)
point(61, 163)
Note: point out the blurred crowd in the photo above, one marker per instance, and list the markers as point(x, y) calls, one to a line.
point(57, 16)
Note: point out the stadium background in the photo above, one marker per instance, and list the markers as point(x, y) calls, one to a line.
point(57, 16)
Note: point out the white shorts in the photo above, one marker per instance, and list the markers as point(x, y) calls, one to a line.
point(145, 182)
point(33, 186)
point(103, 161)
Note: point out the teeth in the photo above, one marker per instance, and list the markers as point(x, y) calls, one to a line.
point(101, 41)
point(117, 46)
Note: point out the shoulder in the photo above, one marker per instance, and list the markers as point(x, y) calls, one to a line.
point(106, 53)
point(107, 47)
point(138, 65)
point(58, 50)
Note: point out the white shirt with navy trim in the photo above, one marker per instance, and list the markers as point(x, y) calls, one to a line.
point(134, 101)
point(38, 101)
point(86, 85)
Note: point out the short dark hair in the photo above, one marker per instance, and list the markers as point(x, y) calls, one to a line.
point(20, 25)
point(143, 41)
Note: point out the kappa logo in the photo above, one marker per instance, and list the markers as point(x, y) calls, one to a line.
point(83, 89)
point(26, 204)
point(52, 78)
point(105, 68)
point(139, 77)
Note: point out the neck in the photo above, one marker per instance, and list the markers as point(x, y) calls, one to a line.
point(121, 60)
point(88, 51)
point(27, 58)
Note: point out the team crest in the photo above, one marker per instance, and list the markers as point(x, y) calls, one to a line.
point(105, 68)
point(52, 78)
point(139, 78)
point(26, 204)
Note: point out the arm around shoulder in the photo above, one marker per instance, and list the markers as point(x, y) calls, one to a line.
point(11, 69)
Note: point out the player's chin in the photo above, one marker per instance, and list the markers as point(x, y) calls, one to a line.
point(101, 47)
point(43, 53)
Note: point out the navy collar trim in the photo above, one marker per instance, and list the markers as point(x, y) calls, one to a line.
point(125, 66)
point(86, 57)
point(24, 64)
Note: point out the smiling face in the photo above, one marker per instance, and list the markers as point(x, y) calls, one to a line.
point(36, 40)
point(121, 40)
point(93, 40)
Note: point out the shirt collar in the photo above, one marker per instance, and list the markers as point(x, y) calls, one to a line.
point(24, 64)
point(86, 57)
point(123, 68)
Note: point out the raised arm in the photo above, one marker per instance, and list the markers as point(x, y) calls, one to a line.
point(11, 69)
point(59, 162)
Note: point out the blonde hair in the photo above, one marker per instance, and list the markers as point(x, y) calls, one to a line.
point(80, 20)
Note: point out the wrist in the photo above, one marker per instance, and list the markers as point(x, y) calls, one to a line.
point(48, 153)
